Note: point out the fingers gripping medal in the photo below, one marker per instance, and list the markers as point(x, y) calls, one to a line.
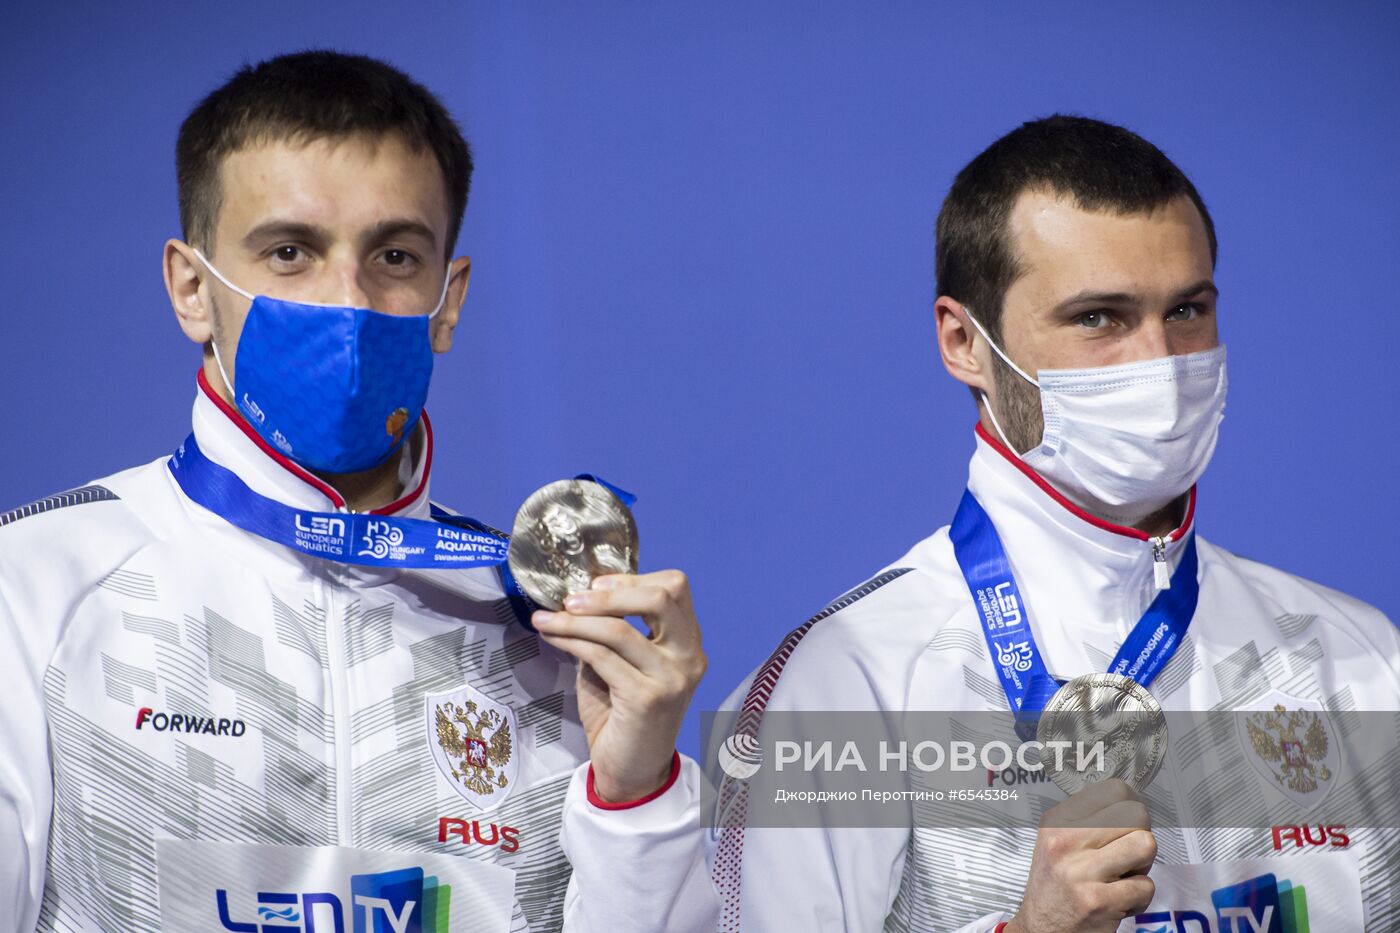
point(1108, 708)
point(565, 535)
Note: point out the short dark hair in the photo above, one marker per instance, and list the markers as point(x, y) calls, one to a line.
point(1101, 166)
point(304, 96)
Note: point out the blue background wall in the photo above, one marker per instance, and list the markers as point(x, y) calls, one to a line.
point(703, 250)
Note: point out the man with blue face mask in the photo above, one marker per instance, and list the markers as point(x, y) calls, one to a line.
point(1077, 302)
point(266, 683)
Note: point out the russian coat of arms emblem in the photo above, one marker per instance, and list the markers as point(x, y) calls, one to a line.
point(1294, 748)
point(472, 740)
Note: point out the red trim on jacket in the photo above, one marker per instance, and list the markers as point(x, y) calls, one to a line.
point(305, 475)
point(408, 499)
point(1075, 510)
point(278, 457)
point(602, 804)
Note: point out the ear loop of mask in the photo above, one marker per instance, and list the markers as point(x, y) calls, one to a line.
point(442, 298)
point(215, 343)
point(1007, 360)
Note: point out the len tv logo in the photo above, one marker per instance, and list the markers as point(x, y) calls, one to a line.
point(1260, 905)
point(402, 901)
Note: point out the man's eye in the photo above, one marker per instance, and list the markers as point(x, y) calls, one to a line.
point(1183, 312)
point(287, 253)
point(398, 257)
point(1093, 320)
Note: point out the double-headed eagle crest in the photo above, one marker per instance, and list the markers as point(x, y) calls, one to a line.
point(1293, 745)
point(477, 745)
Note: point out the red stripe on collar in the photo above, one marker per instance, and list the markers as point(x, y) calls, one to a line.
point(306, 476)
point(277, 456)
point(409, 498)
point(1075, 510)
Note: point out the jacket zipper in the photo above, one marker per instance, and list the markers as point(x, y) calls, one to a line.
point(1161, 572)
point(1189, 835)
point(1162, 577)
point(340, 714)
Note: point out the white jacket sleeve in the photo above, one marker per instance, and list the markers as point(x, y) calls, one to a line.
point(638, 867)
point(26, 789)
point(52, 553)
point(826, 879)
point(818, 879)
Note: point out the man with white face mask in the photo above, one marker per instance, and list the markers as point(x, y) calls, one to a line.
point(1076, 301)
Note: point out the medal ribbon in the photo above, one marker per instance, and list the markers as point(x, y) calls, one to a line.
point(1019, 665)
point(448, 541)
point(345, 537)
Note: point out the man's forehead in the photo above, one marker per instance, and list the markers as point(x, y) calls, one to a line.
point(1061, 246)
point(344, 185)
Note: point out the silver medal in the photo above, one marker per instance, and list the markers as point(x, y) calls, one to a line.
point(566, 534)
point(1111, 708)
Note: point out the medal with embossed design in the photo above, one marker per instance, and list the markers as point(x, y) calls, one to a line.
point(1108, 708)
point(565, 535)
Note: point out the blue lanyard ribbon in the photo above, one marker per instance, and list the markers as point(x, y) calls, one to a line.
point(628, 499)
point(521, 604)
point(448, 541)
point(1024, 678)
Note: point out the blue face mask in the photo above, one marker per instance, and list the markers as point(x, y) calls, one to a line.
point(336, 389)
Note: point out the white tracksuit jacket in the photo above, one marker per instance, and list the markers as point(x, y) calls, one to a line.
point(188, 709)
point(911, 639)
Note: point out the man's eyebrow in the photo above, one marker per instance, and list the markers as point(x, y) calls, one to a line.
point(1108, 298)
point(310, 233)
point(291, 229)
point(398, 226)
point(1204, 286)
point(1121, 298)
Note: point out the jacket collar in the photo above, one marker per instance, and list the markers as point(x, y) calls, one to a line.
point(1078, 573)
point(228, 440)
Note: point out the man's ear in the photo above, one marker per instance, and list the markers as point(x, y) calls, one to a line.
point(964, 352)
point(446, 321)
point(184, 273)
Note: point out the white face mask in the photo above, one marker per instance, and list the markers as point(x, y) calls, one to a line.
point(1125, 440)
